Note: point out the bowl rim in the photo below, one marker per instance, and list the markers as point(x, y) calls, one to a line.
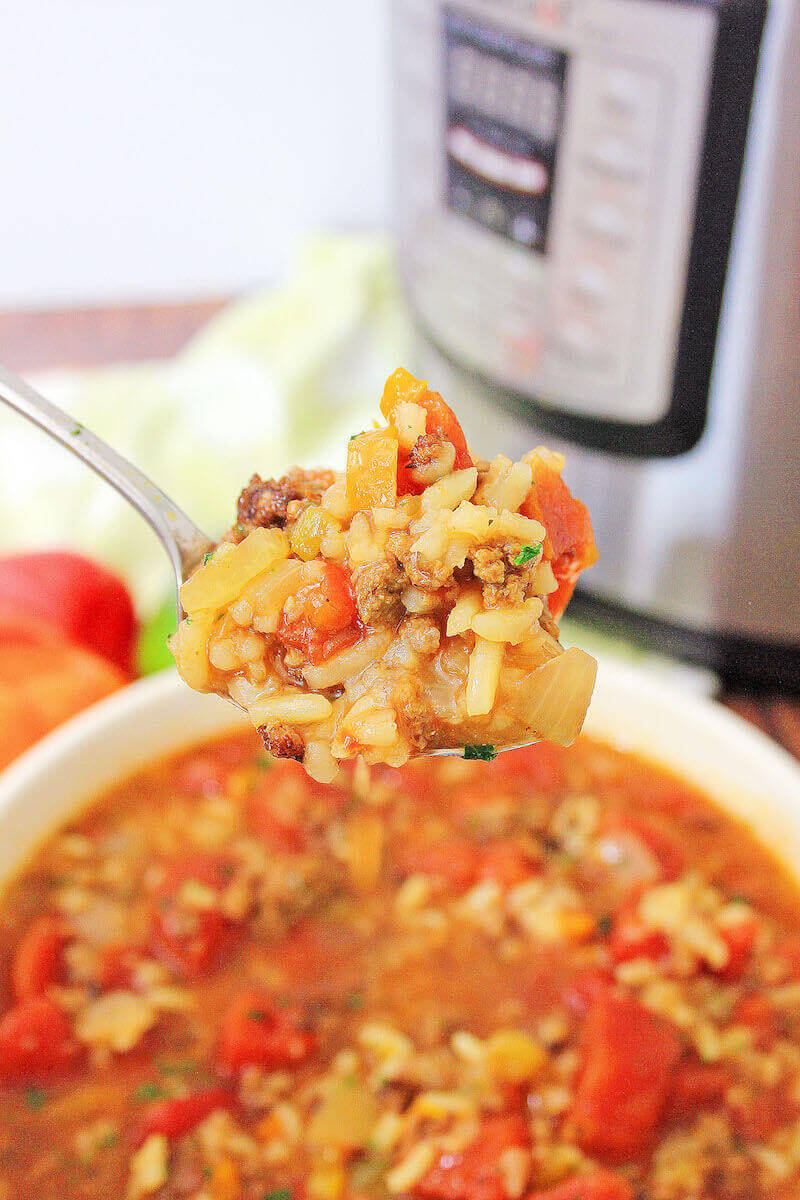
point(714, 733)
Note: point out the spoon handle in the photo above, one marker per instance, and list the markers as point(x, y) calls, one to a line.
point(184, 542)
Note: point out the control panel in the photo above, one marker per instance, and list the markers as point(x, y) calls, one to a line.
point(548, 155)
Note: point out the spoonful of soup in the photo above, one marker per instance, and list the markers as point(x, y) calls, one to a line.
point(408, 605)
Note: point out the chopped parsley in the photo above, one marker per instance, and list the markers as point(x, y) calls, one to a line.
point(256, 1014)
point(76, 430)
point(181, 1066)
point(264, 761)
point(527, 554)
point(108, 1140)
point(740, 898)
point(354, 1001)
point(35, 1098)
point(604, 924)
point(278, 1194)
point(484, 753)
point(148, 1091)
point(207, 557)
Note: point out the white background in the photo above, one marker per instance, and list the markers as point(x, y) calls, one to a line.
point(166, 148)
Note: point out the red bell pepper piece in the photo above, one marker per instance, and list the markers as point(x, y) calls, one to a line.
point(175, 1118)
point(439, 419)
point(88, 604)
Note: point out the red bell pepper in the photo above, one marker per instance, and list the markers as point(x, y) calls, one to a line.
point(84, 601)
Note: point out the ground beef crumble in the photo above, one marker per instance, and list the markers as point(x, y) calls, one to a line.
point(282, 741)
point(411, 705)
point(377, 587)
point(264, 503)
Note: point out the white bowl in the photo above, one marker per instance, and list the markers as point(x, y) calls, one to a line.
point(745, 772)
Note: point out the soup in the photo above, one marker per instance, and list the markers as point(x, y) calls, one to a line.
point(562, 975)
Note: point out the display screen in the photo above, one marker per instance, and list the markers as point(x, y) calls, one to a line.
point(504, 99)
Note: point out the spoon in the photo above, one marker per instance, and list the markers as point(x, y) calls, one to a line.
point(183, 541)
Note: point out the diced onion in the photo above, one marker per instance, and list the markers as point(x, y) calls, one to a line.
point(224, 578)
point(558, 696)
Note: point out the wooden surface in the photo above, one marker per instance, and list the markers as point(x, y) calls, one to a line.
point(90, 336)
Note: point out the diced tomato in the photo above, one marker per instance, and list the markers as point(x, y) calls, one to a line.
point(440, 419)
point(453, 859)
point(189, 941)
point(600, 1185)
point(281, 836)
point(569, 543)
point(89, 605)
point(328, 619)
point(740, 940)
point(540, 766)
point(628, 1055)
point(788, 952)
point(631, 938)
point(654, 853)
point(761, 1112)
point(697, 1085)
point(504, 863)
point(38, 962)
point(475, 1173)
point(272, 823)
point(254, 1032)
point(116, 968)
point(175, 1118)
point(35, 1041)
point(584, 989)
point(203, 775)
point(755, 1011)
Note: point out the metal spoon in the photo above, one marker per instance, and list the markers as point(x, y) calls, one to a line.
point(183, 541)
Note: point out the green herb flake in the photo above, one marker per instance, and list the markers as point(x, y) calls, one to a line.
point(207, 557)
point(188, 621)
point(482, 753)
point(76, 430)
point(108, 1140)
point(278, 1194)
point(256, 1014)
point(264, 762)
point(604, 924)
point(35, 1098)
point(148, 1091)
point(354, 1001)
point(740, 898)
point(527, 554)
point(180, 1066)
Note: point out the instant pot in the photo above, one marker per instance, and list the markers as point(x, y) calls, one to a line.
point(598, 212)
